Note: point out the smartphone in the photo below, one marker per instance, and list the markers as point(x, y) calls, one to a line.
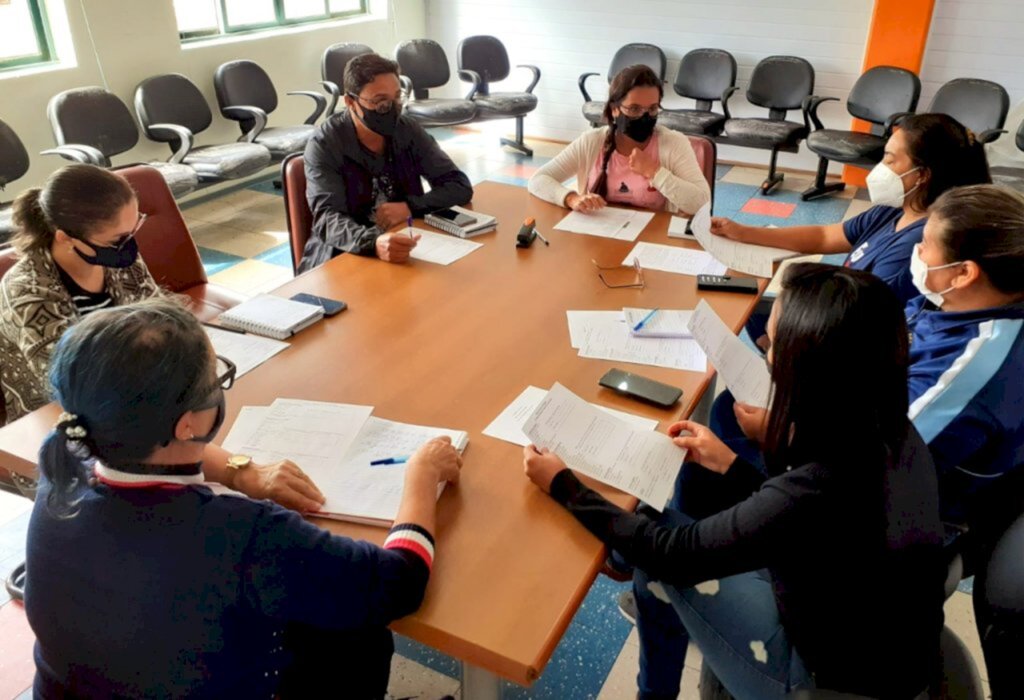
point(725, 283)
point(331, 307)
point(456, 217)
point(640, 387)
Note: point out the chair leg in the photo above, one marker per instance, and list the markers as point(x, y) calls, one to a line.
point(774, 178)
point(820, 188)
point(518, 143)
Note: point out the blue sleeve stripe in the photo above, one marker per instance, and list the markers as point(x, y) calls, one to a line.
point(982, 357)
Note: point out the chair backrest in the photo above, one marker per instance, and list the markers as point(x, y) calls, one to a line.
point(8, 256)
point(244, 83)
point(780, 83)
point(643, 54)
point(94, 117)
point(977, 104)
point(425, 63)
point(704, 74)
point(164, 240)
point(1002, 629)
point(882, 92)
point(13, 156)
point(1020, 136)
point(171, 99)
point(707, 158)
point(336, 58)
point(296, 209)
point(486, 55)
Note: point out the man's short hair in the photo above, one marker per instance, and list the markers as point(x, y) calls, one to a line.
point(362, 70)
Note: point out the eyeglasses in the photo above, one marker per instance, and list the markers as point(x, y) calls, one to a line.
point(634, 111)
point(639, 284)
point(123, 240)
point(226, 371)
point(379, 106)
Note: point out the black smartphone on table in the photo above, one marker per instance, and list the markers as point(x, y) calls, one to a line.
point(331, 307)
point(642, 388)
point(456, 217)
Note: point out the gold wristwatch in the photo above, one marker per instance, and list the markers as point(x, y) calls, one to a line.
point(237, 463)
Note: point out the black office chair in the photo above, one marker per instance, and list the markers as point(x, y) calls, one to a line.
point(172, 110)
point(704, 75)
point(1001, 626)
point(92, 125)
point(980, 105)
point(246, 95)
point(629, 55)
point(332, 69)
point(13, 165)
point(778, 83)
point(879, 96)
point(483, 60)
point(1008, 175)
point(425, 66)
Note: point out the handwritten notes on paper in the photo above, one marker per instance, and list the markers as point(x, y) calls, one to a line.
point(742, 369)
point(757, 260)
point(609, 222)
point(667, 258)
point(247, 351)
point(604, 335)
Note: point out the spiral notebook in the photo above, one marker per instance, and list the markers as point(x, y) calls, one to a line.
point(271, 316)
point(482, 223)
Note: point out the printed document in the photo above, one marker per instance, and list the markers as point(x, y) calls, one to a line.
point(441, 249)
point(666, 323)
point(743, 370)
point(609, 222)
point(247, 351)
point(682, 261)
point(604, 335)
point(750, 259)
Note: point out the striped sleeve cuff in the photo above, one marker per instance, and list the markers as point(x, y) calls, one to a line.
point(412, 538)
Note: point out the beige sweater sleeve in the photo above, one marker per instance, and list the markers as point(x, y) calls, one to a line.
point(575, 159)
point(680, 178)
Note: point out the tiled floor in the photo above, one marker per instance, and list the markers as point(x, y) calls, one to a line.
point(243, 242)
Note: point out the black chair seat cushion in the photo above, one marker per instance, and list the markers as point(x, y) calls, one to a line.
point(692, 121)
point(762, 133)
point(499, 105)
point(229, 161)
point(593, 112)
point(181, 179)
point(441, 111)
point(1005, 175)
point(282, 140)
point(6, 224)
point(847, 146)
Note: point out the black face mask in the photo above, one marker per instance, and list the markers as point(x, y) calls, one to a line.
point(383, 124)
point(639, 129)
point(112, 256)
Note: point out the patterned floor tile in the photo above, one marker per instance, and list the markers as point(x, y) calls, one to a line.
point(215, 262)
point(280, 256)
point(244, 242)
point(767, 207)
point(731, 197)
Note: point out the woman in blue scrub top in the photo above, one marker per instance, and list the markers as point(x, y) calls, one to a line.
point(926, 155)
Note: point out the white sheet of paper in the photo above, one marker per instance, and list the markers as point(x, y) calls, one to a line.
point(508, 425)
point(609, 222)
point(247, 351)
point(590, 441)
point(677, 228)
point(581, 321)
point(606, 341)
point(682, 261)
point(775, 286)
point(757, 260)
point(441, 249)
point(742, 369)
point(667, 323)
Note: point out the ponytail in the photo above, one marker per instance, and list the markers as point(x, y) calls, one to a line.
point(33, 229)
point(600, 185)
point(61, 463)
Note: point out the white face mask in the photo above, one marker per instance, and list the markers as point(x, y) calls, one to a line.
point(885, 187)
point(919, 272)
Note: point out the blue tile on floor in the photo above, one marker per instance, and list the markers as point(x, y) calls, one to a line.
point(215, 261)
point(721, 170)
point(820, 212)
point(507, 179)
point(966, 586)
point(425, 656)
point(731, 197)
point(279, 255)
point(267, 186)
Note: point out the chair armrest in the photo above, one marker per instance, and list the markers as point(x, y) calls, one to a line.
point(471, 76)
point(582, 82)
point(240, 112)
point(185, 136)
point(536, 76)
point(810, 108)
point(990, 135)
point(726, 94)
point(334, 93)
point(80, 153)
point(406, 82)
point(321, 103)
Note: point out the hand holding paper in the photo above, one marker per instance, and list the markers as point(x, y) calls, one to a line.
point(744, 371)
point(748, 258)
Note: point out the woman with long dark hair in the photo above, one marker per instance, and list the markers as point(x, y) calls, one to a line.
point(631, 161)
point(144, 582)
point(781, 590)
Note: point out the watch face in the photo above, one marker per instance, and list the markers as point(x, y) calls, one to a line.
point(239, 461)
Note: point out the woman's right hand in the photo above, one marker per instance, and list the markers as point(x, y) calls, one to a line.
point(702, 446)
point(727, 228)
point(434, 462)
point(585, 203)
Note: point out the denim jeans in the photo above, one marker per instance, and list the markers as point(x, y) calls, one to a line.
point(735, 623)
point(723, 423)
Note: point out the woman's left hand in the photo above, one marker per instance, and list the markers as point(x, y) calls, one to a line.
point(643, 164)
point(703, 446)
point(541, 466)
point(283, 483)
point(753, 421)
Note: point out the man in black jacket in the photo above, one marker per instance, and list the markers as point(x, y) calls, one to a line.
point(364, 167)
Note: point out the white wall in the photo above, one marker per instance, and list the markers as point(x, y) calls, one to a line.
point(139, 38)
point(568, 37)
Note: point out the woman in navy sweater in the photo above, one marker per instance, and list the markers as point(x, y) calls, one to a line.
point(829, 571)
point(143, 582)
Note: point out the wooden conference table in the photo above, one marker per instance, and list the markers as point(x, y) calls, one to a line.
point(451, 346)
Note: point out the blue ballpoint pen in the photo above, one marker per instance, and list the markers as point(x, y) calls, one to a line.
point(389, 460)
point(409, 223)
point(644, 320)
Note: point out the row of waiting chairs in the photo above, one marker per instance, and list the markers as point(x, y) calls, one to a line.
point(785, 83)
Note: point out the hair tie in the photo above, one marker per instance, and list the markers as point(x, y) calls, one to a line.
point(70, 425)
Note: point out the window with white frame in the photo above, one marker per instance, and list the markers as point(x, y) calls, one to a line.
point(206, 18)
